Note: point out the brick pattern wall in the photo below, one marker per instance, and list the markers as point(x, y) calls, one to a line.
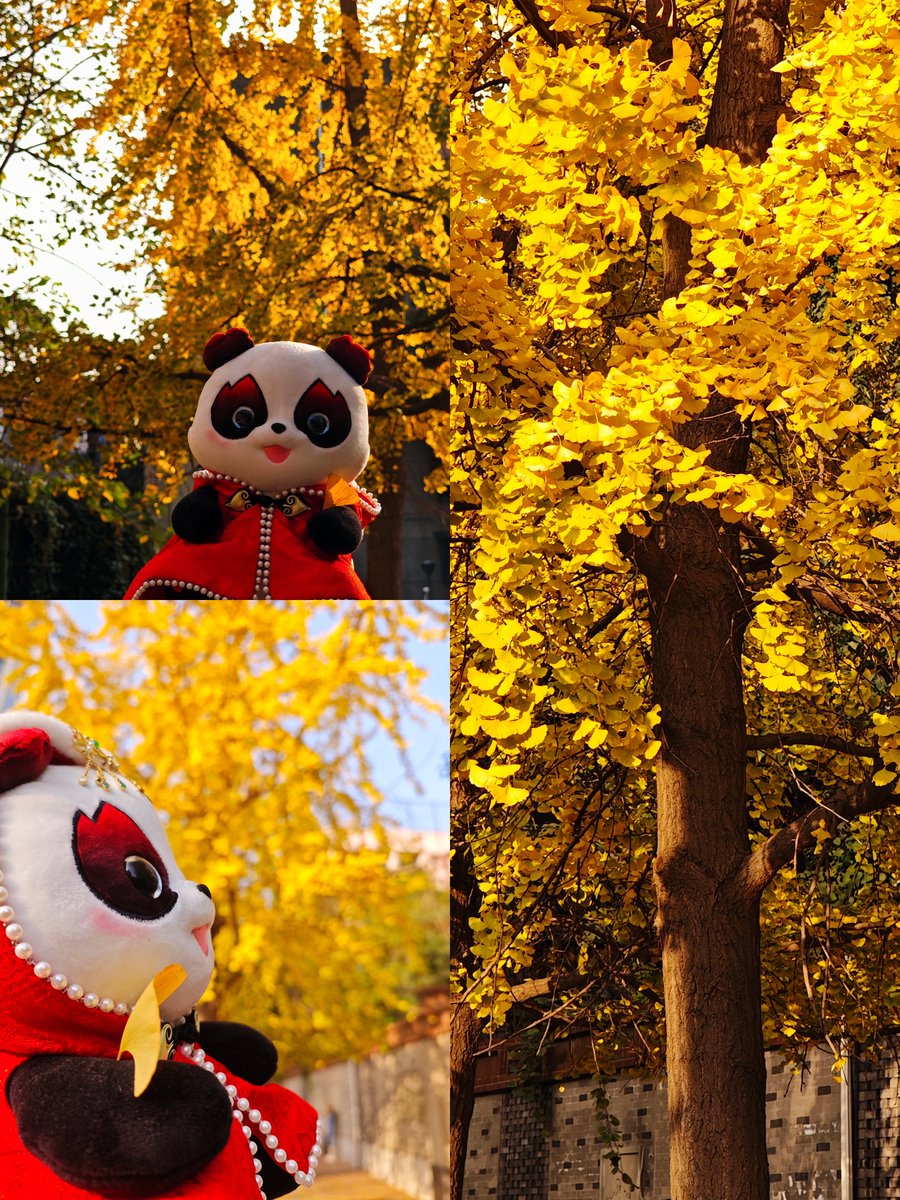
point(803, 1127)
point(551, 1149)
point(878, 1130)
point(524, 1149)
point(575, 1149)
point(483, 1161)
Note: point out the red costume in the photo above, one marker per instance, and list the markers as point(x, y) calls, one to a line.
point(263, 552)
point(34, 1020)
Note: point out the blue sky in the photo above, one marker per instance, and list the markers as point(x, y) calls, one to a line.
point(429, 743)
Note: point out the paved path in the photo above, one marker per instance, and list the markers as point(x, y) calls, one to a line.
point(337, 1181)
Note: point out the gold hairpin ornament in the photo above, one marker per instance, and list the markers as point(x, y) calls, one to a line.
point(99, 761)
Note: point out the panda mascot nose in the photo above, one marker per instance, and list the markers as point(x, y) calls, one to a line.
point(201, 887)
point(277, 427)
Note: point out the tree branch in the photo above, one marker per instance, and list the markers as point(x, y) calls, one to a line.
point(606, 620)
point(532, 14)
point(776, 741)
point(835, 600)
point(782, 847)
point(241, 155)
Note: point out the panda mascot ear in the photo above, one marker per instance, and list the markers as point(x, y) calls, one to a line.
point(355, 360)
point(24, 756)
point(223, 347)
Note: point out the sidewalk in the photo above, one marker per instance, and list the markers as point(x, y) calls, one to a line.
point(338, 1181)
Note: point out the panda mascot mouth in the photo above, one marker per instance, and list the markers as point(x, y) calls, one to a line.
point(105, 951)
point(201, 934)
point(277, 454)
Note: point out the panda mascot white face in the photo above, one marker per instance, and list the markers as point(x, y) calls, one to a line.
point(282, 415)
point(92, 895)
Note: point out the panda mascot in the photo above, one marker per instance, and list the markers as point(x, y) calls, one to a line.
point(280, 433)
point(109, 1085)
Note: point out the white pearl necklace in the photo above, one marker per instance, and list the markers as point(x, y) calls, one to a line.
point(24, 952)
point(264, 557)
point(176, 583)
point(219, 475)
point(247, 1117)
point(366, 497)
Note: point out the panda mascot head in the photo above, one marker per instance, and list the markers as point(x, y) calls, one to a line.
point(282, 415)
point(280, 434)
point(94, 903)
point(109, 1084)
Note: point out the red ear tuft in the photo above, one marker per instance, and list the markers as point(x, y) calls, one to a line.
point(355, 360)
point(223, 347)
point(24, 755)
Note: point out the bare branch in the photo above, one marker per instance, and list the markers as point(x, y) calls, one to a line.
point(776, 741)
point(777, 851)
point(835, 600)
point(532, 14)
point(615, 610)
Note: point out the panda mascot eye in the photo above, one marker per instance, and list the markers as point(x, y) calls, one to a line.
point(238, 410)
point(317, 424)
point(120, 865)
point(323, 416)
point(243, 418)
point(144, 876)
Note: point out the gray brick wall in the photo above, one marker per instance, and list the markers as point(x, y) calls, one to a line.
point(549, 1147)
point(483, 1162)
point(878, 1130)
point(524, 1149)
point(803, 1118)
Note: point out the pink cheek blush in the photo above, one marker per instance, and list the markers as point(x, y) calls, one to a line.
point(105, 922)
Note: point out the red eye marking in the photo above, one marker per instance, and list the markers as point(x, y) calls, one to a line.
point(323, 415)
point(238, 410)
point(120, 865)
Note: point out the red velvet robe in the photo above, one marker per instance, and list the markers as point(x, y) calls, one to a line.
point(35, 1019)
point(234, 568)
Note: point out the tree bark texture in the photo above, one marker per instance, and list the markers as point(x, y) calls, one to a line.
point(707, 922)
point(465, 1026)
point(746, 100)
point(708, 918)
point(355, 91)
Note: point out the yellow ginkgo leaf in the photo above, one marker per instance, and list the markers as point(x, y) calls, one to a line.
point(140, 1038)
point(338, 492)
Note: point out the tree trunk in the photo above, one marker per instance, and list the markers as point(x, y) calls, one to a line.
point(384, 540)
point(746, 100)
point(466, 1026)
point(4, 550)
point(355, 90)
point(708, 920)
point(708, 925)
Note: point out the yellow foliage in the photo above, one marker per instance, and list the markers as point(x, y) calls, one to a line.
point(249, 726)
point(575, 379)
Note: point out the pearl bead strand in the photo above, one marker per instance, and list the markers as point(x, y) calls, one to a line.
point(219, 475)
point(247, 1116)
point(25, 953)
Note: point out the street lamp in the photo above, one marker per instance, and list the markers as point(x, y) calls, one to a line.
point(427, 568)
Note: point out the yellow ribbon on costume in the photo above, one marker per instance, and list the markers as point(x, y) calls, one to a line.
point(141, 1035)
point(338, 492)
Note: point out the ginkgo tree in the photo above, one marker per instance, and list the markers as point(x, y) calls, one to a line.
point(677, 452)
point(250, 725)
